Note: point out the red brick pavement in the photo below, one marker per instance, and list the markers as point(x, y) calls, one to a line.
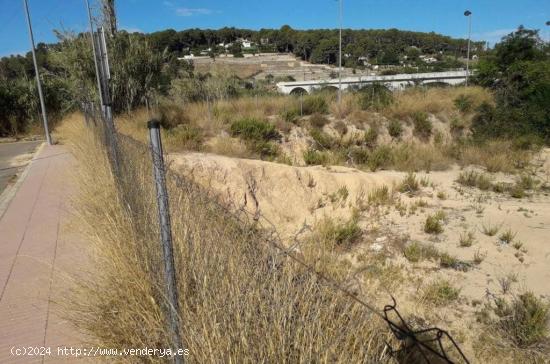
point(35, 251)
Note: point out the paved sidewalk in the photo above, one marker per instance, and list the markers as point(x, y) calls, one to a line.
point(34, 249)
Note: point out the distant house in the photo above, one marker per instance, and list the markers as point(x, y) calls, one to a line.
point(428, 59)
point(364, 60)
point(245, 43)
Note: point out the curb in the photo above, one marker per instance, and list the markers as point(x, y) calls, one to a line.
point(10, 191)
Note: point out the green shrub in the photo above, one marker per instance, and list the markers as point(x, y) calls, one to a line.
point(371, 136)
point(472, 178)
point(381, 157)
point(441, 293)
point(314, 157)
point(314, 104)
point(290, 115)
point(359, 155)
point(186, 136)
point(395, 129)
point(433, 225)
point(375, 97)
point(524, 321)
point(322, 140)
point(253, 129)
point(409, 184)
point(341, 234)
point(422, 125)
point(416, 252)
point(464, 103)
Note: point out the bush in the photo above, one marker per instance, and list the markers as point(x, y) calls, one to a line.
point(371, 136)
point(524, 321)
point(313, 157)
point(409, 184)
point(171, 115)
point(433, 225)
point(464, 103)
point(395, 129)
point(381, 157)
point(318, 121)
point(375, 97)
point(314, 104)
point(472, 178)
point(441, 293)
point(422, 125)
point(186, 137)
point(359, 155)
point(416, 252)
point(340, 234)
point(253, 129)
point(322, 140)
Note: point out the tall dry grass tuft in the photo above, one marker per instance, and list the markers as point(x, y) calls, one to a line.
point(240, 301)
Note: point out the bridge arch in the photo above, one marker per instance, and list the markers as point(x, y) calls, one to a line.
point(298, 91)
point(437, 83)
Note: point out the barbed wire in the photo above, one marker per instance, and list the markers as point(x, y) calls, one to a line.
point(430, 345)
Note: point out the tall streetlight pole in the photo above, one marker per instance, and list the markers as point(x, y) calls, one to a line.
point(340, 57)
point(39, 85)
point(468, 14)
point(548, 32)
point(100, 92)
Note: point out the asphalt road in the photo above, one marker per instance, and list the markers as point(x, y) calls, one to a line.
point(12, 160)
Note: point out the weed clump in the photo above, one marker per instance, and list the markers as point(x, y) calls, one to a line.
point(472, 178)
point(416, 252)
point(395, 129)
point(375, 97)
point(422, 125)
point(318, 120)
point(524, 320)
point(314, 157)
point(314, 104)
point(464, 103)
point(258, 135)
point(433, 225)
point(441, 293)
point(409, 184)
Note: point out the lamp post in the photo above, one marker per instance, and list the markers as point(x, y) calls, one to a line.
point(468, 14)
point(548, 32)
point(37, 74)
point(340, 57)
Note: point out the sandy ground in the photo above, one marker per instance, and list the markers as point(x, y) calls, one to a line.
point(289, 197)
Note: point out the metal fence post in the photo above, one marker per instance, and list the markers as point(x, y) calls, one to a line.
point(165, 234)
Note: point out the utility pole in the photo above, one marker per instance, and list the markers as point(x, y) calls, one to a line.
point(340, 57)
point(468, 14)
point(39, 85)
point(109, 16)
point(95, 54)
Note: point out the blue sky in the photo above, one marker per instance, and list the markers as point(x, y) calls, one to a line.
point(491, 18)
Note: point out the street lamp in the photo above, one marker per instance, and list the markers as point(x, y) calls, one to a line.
point(340, 57)
point(468, 14)
point(548, 32)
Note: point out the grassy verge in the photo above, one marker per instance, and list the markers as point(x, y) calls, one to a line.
point(239, 300)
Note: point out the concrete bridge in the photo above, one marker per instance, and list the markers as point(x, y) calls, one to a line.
point(393, 82)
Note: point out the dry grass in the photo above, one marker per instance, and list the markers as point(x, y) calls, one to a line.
point(433, 100)
point(239, 300)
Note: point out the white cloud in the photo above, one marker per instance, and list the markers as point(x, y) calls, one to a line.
point(192, 11)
